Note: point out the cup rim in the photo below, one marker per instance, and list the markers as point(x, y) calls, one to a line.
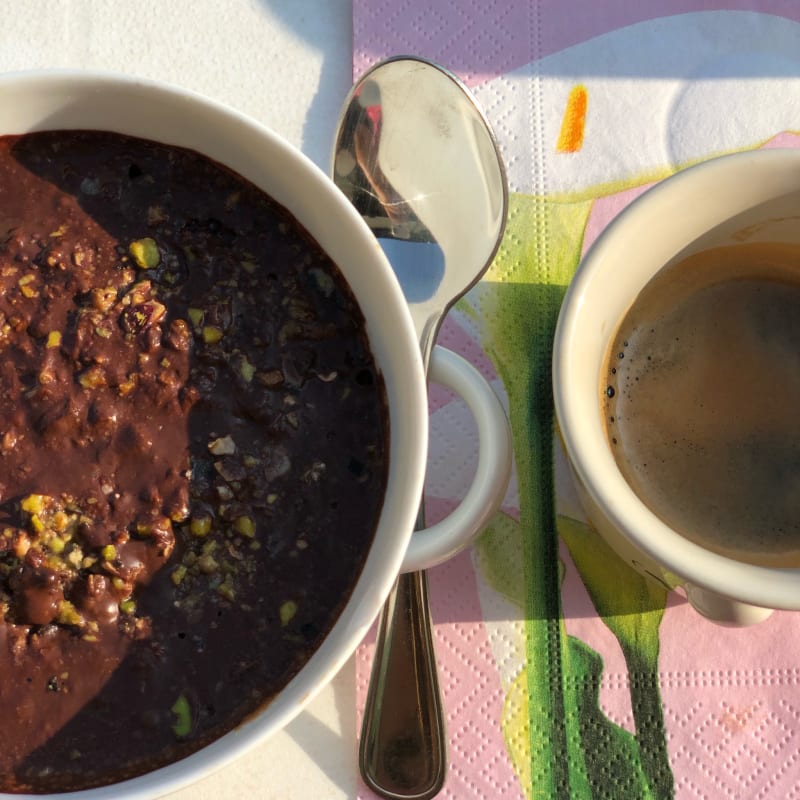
point(773, 587)
point(391, 325)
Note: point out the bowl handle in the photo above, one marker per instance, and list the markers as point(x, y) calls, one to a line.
point(443, 540)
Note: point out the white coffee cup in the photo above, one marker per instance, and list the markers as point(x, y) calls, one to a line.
point(752, 196)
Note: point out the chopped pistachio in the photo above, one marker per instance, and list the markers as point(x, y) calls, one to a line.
point(68, 614)
point(109, 552)
point(196, 316)
point(53, 339)
point(127, 386)
point(178, 574)
point(145, 253)
point(92, 378)
point(248, 266)
point(200, 526)
point(246, 369)
point(56, 545)
point(21, 546)
point(60, 520)
point(245, 526)
point(222, 446)
point(179, 514)
point(33, 503)
point(127, 606)
point(207, 564)
point(209, 547)
point(227, 591)
point(212, 334)
point(287, 612)
point(183, 717)
point(104, 298)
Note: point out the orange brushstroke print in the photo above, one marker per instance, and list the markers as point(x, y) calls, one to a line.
point(570, 139)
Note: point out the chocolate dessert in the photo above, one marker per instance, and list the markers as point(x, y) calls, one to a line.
point(193, 446)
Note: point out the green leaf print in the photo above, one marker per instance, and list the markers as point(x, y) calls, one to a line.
point(632, 608)
point(573, 750)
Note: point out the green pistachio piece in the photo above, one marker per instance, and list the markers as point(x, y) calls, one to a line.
point(178, 574)
point(212, 334)
point(200, 526)
point(182, 726)
point(247, 369)
point(68, 614)
point(145, 253)
point(287, 612)
point(33, 503)
point(127, 606)
point(245, 526)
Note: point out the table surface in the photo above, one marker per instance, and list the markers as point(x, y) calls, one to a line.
point(693, 710)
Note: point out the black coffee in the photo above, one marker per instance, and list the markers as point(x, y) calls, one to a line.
point(701, 395)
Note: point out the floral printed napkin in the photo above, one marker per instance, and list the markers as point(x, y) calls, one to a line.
point(565, 674)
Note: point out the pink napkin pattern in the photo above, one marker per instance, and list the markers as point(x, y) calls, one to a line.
point(557, 682)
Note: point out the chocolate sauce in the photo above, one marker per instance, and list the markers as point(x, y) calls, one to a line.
point(193, 435)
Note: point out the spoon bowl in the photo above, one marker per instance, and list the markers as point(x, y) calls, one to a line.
point(417, 158)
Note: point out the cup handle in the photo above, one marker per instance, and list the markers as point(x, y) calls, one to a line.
point(439, 542)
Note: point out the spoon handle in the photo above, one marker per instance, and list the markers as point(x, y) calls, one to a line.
point(402, 749)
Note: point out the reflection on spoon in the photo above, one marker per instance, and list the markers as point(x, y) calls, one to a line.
point(419, 266)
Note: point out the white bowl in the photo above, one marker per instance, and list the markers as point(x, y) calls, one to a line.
point(77, 100)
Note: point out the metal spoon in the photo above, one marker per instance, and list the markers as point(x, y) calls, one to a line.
point(417, 158)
